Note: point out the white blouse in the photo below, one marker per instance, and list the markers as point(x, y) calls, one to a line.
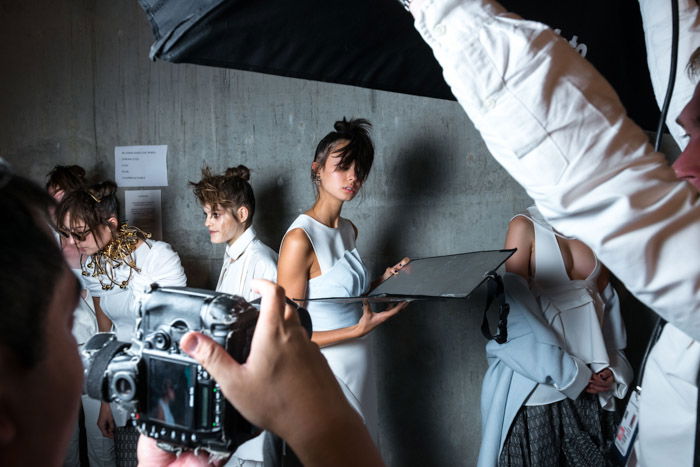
point(244, 260)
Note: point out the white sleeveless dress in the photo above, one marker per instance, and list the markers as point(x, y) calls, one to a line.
point(343, 274)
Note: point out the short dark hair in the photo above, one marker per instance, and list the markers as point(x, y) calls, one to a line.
point(31, 265)
point(66, 177)
point(92, 205)
point(359, 149)
point(231, 190)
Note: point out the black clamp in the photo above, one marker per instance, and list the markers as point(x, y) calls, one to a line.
point(496, 291)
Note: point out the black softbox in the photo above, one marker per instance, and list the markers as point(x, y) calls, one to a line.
point(372, 43)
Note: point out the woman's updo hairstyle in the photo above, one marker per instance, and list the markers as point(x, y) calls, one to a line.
point(91, 205)
point(228, 191)
point(66, 177)
point(360, 148)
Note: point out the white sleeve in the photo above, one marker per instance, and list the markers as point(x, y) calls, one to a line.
point(656, 16)
point(161, 266)
point(560, 130)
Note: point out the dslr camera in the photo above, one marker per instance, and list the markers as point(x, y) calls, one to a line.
point(168, 395)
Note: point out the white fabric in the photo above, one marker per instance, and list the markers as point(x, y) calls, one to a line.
point(84, 320)
point(157, 263)
point(100, 449)
point(343, 274)
point(577, 313)
point(246, 259)
point(559, 129)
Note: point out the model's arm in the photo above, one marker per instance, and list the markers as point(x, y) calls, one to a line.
point(560, 130)
point(520, 235)
point(294, 268)
point(656, 17)
point(104, 324)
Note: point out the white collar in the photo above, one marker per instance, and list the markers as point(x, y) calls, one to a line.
point(236, 249)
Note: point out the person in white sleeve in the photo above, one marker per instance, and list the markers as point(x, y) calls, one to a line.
point(228, 203)
point(560, 130)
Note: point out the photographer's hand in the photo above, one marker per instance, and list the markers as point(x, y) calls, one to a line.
point(287, 387)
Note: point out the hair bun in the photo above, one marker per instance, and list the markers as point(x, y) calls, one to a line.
point(102, 190)
point(241, 172)
point(352, 126)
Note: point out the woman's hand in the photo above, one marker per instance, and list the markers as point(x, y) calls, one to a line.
point(602, 381)
point(391, 271)
point(371, 320)
point(105, 421)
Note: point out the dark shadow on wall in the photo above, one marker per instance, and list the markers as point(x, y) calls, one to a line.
point(410, 196)
point(430, 358)
point(431, 363)
point(270, 207)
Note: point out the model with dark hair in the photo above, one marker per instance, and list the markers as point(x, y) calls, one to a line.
point(228, 203)
point(63, 179)
point(120, 265)
point(318, 258)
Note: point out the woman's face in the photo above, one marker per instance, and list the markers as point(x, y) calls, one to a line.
point(87, 242)
point(223, 226)
point(340, 183)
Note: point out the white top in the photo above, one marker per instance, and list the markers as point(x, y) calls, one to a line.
point(577, 313)
point(84, 320)
point(244, 260)
point(343, 274)
point(158, 263)
point(559, 128)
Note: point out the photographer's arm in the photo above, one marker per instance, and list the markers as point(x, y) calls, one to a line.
point(286, 387)
point(560, 130)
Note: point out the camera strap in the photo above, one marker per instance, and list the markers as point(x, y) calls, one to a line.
point(496, 291)
point(95, 376)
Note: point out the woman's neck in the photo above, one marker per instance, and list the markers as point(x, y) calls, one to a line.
point(326, 211)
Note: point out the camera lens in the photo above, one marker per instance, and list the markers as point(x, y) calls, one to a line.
point(124, 386)
point(161, 341)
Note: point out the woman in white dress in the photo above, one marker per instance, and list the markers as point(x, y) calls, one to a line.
point(318, 258)
point(121, 264)
point(228, 203)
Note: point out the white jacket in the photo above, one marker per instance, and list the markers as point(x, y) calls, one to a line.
point(560, 130)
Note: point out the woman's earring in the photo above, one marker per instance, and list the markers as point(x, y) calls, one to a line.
point(317, 178)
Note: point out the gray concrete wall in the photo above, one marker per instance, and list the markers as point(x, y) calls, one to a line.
point(77, 81)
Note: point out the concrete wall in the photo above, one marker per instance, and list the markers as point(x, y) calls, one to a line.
point(77, 82)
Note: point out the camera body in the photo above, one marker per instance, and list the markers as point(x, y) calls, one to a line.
point(168, 395)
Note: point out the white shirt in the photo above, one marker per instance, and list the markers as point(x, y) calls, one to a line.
point(244, 260)
point(560, 130)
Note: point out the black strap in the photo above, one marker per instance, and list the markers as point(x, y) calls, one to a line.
point(94, 383)
point(496, 291)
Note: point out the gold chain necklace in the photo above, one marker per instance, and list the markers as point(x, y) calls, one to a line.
point(119, 251)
